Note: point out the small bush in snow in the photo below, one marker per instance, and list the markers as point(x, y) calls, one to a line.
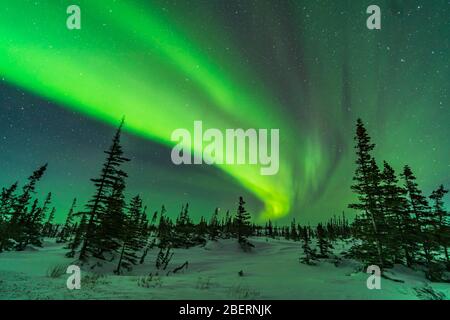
point(243, 292)
point(150, 281)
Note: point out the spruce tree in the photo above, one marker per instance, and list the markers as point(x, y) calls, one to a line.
point(213, 227)
point(26, 223)
point(152, 226)
point(269, 229)
point(111, 223)
point(420, 211)
point(52, 228)
point(201, 230)
point(32, 226)
point(184, 228)
point(27, 192)
point(7, 199)
point(80, 230)
point(286, 233)
point(228, 225)
point(133, 238)
point(67, 229)
point(403, 228)
point(242, 225)
point(367, 186)
point(427, 224)
point(443, 221)
point(48, 225)
point(293, 232)
point(323, 243)
point(309, 254)
point(164, 232)
point(144, 223)
point(109, 190)
point(20, 219)
point(146, 231)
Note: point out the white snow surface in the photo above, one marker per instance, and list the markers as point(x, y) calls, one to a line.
point(270, 271)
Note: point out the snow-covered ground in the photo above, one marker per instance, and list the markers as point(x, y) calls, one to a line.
point(270, 271)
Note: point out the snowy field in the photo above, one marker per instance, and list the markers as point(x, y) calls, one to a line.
point(270, 271)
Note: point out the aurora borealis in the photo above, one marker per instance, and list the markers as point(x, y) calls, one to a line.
point(308, 68)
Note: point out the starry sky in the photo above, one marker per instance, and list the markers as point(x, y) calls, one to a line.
point(308, 68)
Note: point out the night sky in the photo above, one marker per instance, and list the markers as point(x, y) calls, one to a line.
point(309, 68)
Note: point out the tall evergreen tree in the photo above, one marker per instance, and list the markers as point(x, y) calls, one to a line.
point(293, 232)
point(67, 229)
point(109, 194)
point(427, 224)
point(51, 228)
point(242, 225)
point(269, 229)
point(420, 210)
point(403, 229)
point(144, 221)
point(202, 230)
point(22, 201)
point(133, 238)
point(47, 228)
point(111, 223)
point(164, 231)
point(309, 254)
point(25, 224)
point(367, 187)
point(213, 228)
point(228, 225)
point(7, 199)
point(80, 230)
point(443, 221)
point(20, 214)
point(323, 243)
point(184, 228)
point(31, 227)
point(154, 218)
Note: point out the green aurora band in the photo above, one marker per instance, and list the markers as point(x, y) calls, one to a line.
point(154, 64)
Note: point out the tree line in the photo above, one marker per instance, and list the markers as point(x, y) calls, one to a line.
point(395, 222)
